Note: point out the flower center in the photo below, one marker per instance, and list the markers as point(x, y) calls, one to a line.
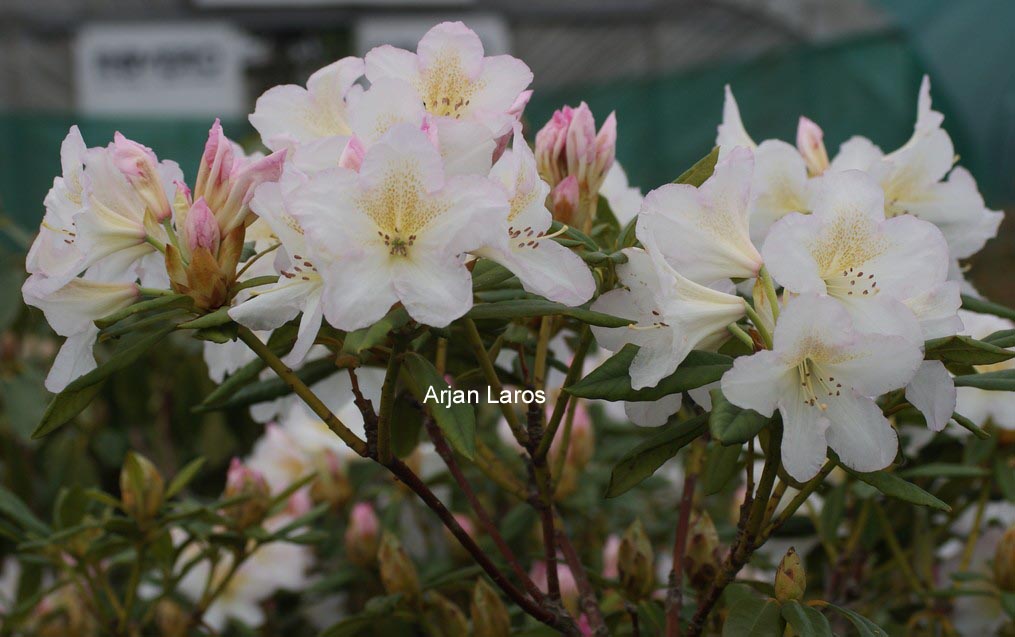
point(447, 90)
point(816, 387)
point(401, 210)
point(529, 238)
point(852, 282)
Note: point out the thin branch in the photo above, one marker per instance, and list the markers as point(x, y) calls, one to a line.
point(588, 600)
point(675, 591)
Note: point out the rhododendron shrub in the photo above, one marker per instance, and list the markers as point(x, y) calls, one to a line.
point(790, 325)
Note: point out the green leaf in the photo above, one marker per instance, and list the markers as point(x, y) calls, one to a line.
point(158, 303)
point(966, 350)
point(12, 507)
point(944, 470)
point(358, 341)
point(832, 512)
point(753, 617)
point(700, 171)
point(529, 308)
point(1003, 380)
point(806, 621)
point(720, 467)
point(1004, 477)
point(1002, 338)
point(212, 319)
point(82, 391)
point(184, 476)
point(970, 426)
point(1008, 603)
point(864, 626)
point(612, 381)
point(895, 487)
point(641, 462)
point(732, 425)
point(488, 275)
point(457, 421)
point(982, 306)
point(272, 388)
point(70, 506)
point(236, 381)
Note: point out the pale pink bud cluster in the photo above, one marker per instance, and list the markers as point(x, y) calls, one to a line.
point(140, 166)
point(226, 180)
point(810, 143)
point(570, 146)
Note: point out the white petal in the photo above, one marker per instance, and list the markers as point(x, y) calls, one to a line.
point(731, 133)
point(548, 269)
point(849, 193)
point(625, 200)
point(932, 392)
point(757, 381)
point(957, 207)
point(310, 325)
point(653, 413)
point(434, 289)
point(860, 434)
point(74, 359)
point(358, 292)
point(779, 186)
point(388, 61)
point(937, 310)
point(467, 147)
point(788, 256)
point(856, 153)
point(915, 262)
point(451, 43)
point(874, 364)
point(387, 102)
point(804, 445)
point(273, 306)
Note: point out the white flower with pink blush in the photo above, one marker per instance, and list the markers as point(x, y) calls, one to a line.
point(397, 231)
point(820, 375)
point(453, 78)
point(544, 266)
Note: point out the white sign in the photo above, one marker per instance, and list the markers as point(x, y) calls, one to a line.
point(405, 31)
point(165, 69)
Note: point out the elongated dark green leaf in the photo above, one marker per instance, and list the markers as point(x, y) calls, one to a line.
point(864, 626)
point(529, 308)
point(700, 171)
point(751, 616)
point(78, 394)
point(12, 507)
point(730, 424)
point(612, 380)
point(184, 476)
point(158, 303)
point(489, 274)
point(895, 487)
point(970, 426)
point(982, 306)
point(361, 340)
point(212, 319)
point(457, 421)
point(1003, 380)
point(720, 466)
point(641, 462)
point(236, 381)
point(806, 621)
point(572, 235)
point(966, 350)
point(944, 470)
point(272, 388)
point(1002, 338)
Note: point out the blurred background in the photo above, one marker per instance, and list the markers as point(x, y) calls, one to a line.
point(161, 70)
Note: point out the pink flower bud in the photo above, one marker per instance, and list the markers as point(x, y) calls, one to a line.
point(352, 156)
point(565, 198)
point(299, 503)
point(233, 213)
point(568, 585)
point(361, 536)
point(810, 143)
point(141, 168)
point(516, 110)
point(243, 481)
point(550, 142)
point(611, 549)
point(217, 166)
point(201, 228)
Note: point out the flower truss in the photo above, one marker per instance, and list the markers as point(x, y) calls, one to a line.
point(772, 310)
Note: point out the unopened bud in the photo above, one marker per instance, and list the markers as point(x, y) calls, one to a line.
point(201, 228)
point(442, 617)
point(1004, 561)
point(490, 616)
point(398, 573)
point(332, 484)
point(790, 578)
point(634, 563)
point(171, 618)
point(539, 574)
point(810, 143)
point(701, 559)
point(141, 488)
point(611, 551)
point(362, 534)
point(244, 482)
point(564, 198)
point(140, 166)
point(457, 550)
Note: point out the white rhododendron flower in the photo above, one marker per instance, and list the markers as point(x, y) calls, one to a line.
point(289, 115)
point(731, 132)
point(704, 232)
point(884, 271)
point(454, 80)
point(820, 375)
point(397, 231)
point(544, 266)
point(979, 405)
point(673, 315)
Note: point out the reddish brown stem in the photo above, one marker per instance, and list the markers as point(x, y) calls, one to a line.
point(589, 604)
point(675, 594)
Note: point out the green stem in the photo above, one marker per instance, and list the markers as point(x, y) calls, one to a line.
point(252, 260)
point(255, 282)
point(155, 292)
point(741, 335)
point(796, 502)
point(388, 403)
point(769, 284)
point(485, 364)
point(356, 443)
point(759, 325)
